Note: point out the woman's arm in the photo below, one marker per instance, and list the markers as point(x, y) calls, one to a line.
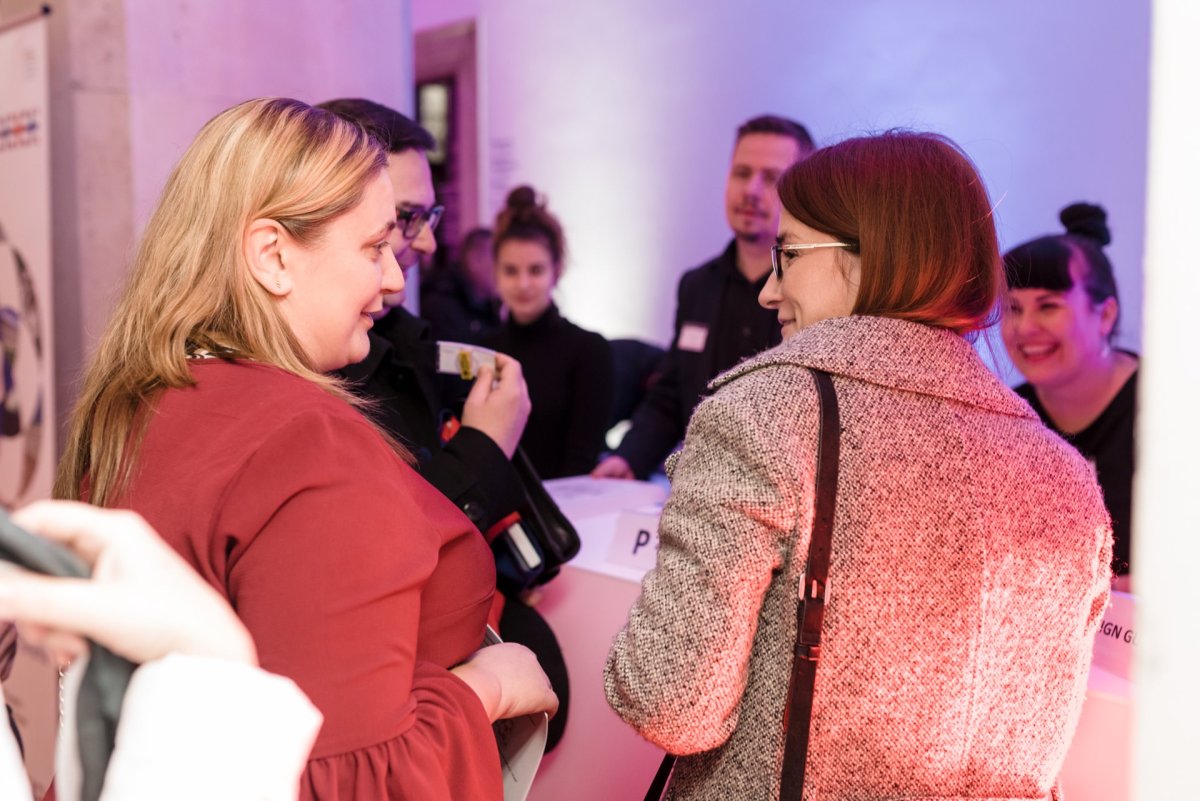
point(742, 483)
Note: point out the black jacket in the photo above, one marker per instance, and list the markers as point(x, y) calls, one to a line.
point(570, 375)
point(660, 420)
point(412, 401)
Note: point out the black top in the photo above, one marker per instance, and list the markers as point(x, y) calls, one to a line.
point(570, 376)
point(454, 311)
point(1108, 444)
point(725, 325)
point(743, 327)
point(413, 400)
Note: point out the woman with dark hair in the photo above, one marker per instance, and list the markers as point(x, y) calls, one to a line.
point(1059, 325)
point(969, 548)
point(569, 370)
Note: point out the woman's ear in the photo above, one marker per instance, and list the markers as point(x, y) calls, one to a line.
point(1109, 311)
point(262, 249)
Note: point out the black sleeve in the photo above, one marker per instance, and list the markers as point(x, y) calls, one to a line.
point(472, 471)
point(592, 389)
point(658, 423)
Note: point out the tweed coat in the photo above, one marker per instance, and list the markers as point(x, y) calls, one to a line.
point(970, 570)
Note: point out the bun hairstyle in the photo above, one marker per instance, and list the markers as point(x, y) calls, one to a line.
point(527, 219)
point(1046, 262)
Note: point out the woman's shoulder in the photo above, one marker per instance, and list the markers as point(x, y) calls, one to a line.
point(763, 391)
point(234, 377)
point(253, 397)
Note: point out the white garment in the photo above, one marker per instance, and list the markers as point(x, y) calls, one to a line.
point(191, 728)
point(13, 781)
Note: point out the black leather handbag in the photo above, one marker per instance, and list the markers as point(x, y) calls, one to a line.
point(535, 541)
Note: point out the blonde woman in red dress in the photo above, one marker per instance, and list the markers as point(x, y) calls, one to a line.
point(208, 409)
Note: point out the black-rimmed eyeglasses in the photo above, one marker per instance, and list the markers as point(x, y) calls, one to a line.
point(411, 221)
point(778, 250)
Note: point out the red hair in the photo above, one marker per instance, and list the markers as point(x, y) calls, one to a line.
point(918, 212)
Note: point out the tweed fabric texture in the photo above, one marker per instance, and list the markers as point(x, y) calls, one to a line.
point(968, 577)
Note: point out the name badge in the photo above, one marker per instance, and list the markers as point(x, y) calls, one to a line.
point(692, 337)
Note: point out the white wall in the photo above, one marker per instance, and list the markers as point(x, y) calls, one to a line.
point(187, 61)
point(623, 113)
point(1166, 515)
point(132, 82)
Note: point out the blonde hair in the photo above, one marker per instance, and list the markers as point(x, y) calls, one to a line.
point(273, 158)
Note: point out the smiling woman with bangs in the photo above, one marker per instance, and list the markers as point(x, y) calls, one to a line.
point(1060, 321)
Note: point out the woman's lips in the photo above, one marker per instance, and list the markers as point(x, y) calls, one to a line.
point(1036, 353)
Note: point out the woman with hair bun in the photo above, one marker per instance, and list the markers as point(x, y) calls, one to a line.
point(569, 370)
point(1060, 322)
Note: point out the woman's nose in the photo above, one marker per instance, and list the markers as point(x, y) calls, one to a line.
point(392, 279)
point(768, 296)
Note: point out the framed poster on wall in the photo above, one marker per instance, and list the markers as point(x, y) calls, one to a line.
point(27, 414)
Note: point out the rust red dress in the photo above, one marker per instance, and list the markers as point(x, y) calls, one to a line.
point(356, 578)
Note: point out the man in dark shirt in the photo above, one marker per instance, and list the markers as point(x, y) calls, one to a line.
point(400, 372)
point(718, 321)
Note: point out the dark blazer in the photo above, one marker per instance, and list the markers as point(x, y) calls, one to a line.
point(659, 422)
point(412, 402)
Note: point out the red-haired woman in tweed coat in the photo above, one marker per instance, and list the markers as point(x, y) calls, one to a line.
point(971, 547)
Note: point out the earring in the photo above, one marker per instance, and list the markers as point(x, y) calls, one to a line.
point(278, 284)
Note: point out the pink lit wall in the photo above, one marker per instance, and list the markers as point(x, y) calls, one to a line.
point(623, 113)
point(187, 61)
point(133, 80)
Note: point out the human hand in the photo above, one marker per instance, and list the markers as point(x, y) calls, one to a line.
point(508, 680)
point(142, 601)
point(498, 404)
point(613, 467)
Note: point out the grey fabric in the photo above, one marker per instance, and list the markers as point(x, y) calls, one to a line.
point(969, 574)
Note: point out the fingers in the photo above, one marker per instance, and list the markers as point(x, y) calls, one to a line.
point(482, 387)
point(85, 529)
point(549, 701)
point(508, 370)
point(62, 648)
point(613, 467)
point(67, 605)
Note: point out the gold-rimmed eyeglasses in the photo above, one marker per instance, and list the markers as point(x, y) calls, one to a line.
point(777, 252)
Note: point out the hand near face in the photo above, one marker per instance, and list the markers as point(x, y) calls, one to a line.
point(142, 602)
point(498, 404)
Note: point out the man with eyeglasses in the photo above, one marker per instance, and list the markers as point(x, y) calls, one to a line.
point(473, 469)
point(718, 321)
point(400, 372)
